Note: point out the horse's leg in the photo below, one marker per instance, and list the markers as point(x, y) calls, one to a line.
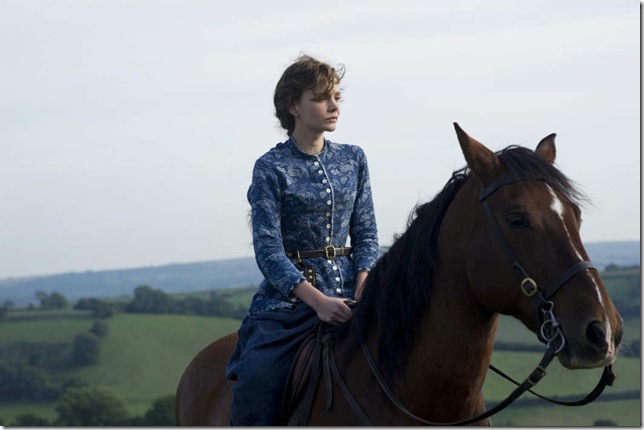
point(204, 394)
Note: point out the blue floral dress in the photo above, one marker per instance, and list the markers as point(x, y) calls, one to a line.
point(299, 202)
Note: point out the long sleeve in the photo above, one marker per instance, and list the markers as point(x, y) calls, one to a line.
point(363, 230)
point(264, 198)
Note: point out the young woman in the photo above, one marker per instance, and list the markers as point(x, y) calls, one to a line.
point(308, 196)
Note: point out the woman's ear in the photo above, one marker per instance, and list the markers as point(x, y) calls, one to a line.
point(294, 109)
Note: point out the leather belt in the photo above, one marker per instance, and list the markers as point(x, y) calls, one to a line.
point(329, 252)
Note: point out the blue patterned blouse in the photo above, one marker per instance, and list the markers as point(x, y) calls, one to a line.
point(303, 202)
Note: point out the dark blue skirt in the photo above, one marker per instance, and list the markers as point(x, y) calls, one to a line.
point(265, 351)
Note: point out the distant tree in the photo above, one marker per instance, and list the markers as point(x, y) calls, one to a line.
point(149, 300)
point(30, 420)
point(611, 267)
point(34, 384)
point(24, 382)
point(54, 300)
point(73, 382)
point(8, 304)
point(90, 407)
point(604, 423)
point(161, 413)
point(99, 329)
point(86, 349)
point(3, 312)
point(43, 298)
point(8, 379)
point(57, 301)
point(99, 308)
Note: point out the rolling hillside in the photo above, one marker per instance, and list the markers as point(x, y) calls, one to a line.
point(209, 275)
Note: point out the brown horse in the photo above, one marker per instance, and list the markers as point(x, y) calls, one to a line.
point(502, 237)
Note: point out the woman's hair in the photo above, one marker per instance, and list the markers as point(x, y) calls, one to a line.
point(306, 73)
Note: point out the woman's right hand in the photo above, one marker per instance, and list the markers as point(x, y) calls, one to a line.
point(331, 310)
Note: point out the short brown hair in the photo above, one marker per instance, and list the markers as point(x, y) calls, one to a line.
point(305, 73)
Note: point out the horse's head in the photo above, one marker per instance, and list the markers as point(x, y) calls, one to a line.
point(523, 253)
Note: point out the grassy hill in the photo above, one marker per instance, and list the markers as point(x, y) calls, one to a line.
point(210, 275)
point(143, 357)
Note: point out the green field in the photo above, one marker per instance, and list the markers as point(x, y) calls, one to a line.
point(143, 357)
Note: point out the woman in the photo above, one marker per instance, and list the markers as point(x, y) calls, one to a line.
point(307, 196)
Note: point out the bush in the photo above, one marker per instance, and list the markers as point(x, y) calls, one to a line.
point(99, 329)
point(90, 407)
point(161, 413)
point(86, 349)
point(29, 420)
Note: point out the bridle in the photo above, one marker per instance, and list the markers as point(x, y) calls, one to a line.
point(549, 332)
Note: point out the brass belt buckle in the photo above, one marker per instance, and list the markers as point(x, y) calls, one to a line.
point(329, 251)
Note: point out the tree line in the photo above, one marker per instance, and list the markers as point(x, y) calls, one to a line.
point(146, 300)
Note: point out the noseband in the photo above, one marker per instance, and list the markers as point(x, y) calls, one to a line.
point(549, 332)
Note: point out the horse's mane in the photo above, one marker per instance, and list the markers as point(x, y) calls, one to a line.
point(396, 294)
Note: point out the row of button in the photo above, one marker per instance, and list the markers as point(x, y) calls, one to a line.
point(328, 226)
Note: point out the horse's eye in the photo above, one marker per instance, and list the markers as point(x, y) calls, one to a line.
point(517, 221)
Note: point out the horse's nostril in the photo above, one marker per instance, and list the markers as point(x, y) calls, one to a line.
point(597, 336)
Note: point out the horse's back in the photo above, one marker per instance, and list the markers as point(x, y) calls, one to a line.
point(204, 394)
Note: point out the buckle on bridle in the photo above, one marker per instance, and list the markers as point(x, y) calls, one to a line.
point(329, 251)
point(529, 287)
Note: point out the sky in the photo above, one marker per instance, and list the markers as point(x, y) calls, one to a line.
point(129, 129)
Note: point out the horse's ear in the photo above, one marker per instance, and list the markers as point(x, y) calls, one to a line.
point(480, 159)
point(546, 148)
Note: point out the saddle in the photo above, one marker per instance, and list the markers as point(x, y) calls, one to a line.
point(315, 359)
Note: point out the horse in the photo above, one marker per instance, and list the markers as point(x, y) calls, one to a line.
point(501, 237)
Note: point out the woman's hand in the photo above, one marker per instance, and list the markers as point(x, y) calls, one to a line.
point(331, 310)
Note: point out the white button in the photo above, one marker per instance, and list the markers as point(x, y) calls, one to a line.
point(328, 239)
point(328, 214)
point(320, 171)
point(338, 290)
point(328, 202)
point(328, 190)
point(338, 279)
point(329, 261)
point(335, 267)
point(328, 226)
point(324, 181)
point(316, 164)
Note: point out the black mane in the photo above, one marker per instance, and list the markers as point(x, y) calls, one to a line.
point(396, 295)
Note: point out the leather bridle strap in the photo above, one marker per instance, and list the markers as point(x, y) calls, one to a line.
point(607, 378)
point(582, 265)
point(537, 374)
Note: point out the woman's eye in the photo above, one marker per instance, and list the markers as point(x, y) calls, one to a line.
point(518, 221)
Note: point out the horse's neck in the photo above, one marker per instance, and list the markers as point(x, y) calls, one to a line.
point(447, 367)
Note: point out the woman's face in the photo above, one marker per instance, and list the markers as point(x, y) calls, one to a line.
point(317, 114)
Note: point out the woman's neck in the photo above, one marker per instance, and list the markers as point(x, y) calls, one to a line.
point(310, 143)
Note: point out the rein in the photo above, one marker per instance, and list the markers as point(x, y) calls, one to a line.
point(549, 332)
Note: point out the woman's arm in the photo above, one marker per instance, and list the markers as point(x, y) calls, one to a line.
point(331, 310)
point(264, 196)
point(363, 229)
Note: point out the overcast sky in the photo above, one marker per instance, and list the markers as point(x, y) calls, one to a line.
point(129, 129)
